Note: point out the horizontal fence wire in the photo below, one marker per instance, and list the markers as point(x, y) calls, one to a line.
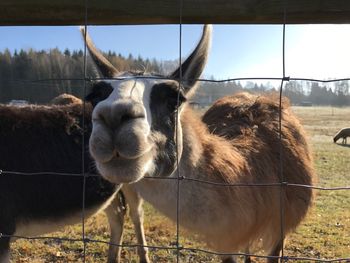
point(49, 173)
point(184, 178)
point(90, 79)
point(183, 248)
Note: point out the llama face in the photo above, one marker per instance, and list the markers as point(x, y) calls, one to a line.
point(134, 119)
point(133, 132)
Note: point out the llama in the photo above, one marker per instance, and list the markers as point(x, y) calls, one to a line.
point(143, 127)
point(115, 212)
point(342, 133)
point(48, 140)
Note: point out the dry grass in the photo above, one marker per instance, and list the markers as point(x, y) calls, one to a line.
point(324, 234)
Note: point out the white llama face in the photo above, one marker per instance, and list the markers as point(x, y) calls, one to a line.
point(134, 118)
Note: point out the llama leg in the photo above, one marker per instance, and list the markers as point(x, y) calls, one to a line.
point(136, 213)
point(116, 214)
point(229, 259)
point(276, 251)
point(5, 256)
point(4, 250)
point(247, 258)
point(234, 259)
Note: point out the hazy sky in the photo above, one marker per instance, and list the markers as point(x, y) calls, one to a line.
point(312, 51)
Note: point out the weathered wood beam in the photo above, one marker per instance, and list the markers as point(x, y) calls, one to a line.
point(108, 12)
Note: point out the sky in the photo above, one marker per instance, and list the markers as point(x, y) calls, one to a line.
point(311, 51)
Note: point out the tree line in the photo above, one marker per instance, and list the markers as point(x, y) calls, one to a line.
point(39, 76)
point(299, 93)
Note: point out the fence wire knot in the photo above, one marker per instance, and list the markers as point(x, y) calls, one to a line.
point(86, 240)
point(88, 79)
point(285, 259)
point(286, 78)
point(284, 183)
point(179, 247)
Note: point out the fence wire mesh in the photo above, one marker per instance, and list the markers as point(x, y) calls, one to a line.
point(178, 247)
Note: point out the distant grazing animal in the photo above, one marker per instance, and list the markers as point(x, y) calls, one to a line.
point(48, 140)
point(342, 133)
point(142, 126)
point(64, 99)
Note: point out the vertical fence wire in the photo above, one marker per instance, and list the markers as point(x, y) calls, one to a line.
point(84, 129)
point(282, 179)
point(177, 123)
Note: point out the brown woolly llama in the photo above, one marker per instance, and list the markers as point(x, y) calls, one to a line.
point(43, 142)
point(143, 127)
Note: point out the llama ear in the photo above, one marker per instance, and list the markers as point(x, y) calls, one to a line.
point(103, 65)
point(193, 66)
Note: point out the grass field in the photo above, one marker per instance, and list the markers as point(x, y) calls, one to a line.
point(324, 234)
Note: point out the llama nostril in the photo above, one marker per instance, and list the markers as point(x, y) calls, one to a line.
point(125, 118)
point(116, 153)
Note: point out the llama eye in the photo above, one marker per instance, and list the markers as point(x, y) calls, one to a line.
point(175, 101)
point(172, 104)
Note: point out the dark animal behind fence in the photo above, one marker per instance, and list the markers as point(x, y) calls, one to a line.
point(342, 133)
point(42, 139)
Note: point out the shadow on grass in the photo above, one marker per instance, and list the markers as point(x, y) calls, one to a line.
point(343, 145)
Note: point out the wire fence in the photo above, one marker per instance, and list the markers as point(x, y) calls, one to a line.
point(178, 247)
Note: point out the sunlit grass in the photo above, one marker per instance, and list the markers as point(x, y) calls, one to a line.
point(324, 234)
